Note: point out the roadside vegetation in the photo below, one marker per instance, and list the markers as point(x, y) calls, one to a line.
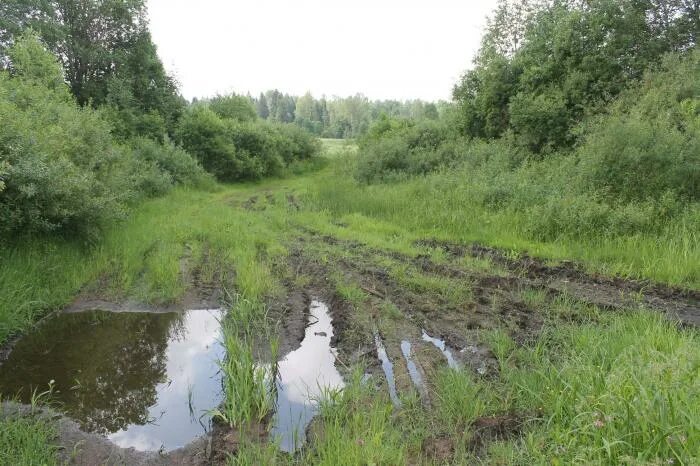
point(543, 226)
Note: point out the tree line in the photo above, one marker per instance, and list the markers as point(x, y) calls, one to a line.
point(338, 117)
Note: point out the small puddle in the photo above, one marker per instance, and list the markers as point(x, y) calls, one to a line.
point(143, 380)
point(412, 368)
point(442, 346)
point(304, 375)
point(388, 369)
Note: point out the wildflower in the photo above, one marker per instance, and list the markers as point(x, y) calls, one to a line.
point(599, 423)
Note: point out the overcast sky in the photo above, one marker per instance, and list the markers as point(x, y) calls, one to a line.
point(398, 49)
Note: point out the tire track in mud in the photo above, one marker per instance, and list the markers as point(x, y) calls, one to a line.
point(612, 293)
point(417, 316)
point(496, 302)
point(526, 272)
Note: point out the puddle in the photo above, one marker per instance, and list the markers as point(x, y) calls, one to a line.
point(143, 380)
point(388, 369)
point(446, 351)
point(412, 368)
point(304, 375)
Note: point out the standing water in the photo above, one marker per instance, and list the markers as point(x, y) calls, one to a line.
point(442, 346)
point(388, 369)
point(304, 375)
point(411, 365)
point(144, 380)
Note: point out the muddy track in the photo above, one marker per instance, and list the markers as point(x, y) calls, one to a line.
point(566, 278)
point(493, 305)
point(419, 312)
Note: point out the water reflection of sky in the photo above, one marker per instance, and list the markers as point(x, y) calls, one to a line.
point(191, 375)
point(442, 346)
point(303, 376)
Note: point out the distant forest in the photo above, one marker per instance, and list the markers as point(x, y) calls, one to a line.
point(339, 117)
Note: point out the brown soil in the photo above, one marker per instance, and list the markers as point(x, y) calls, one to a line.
point(492, 428)
point(226, 441)
point(568, 277)
point(440, 449)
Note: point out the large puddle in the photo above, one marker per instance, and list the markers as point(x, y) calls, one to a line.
point(144, 380)
point(304, 375)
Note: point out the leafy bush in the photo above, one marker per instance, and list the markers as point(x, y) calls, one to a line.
point(173, 162)
point(235, 150)
point(546, 66)
point(60, 168)
point(293, 143)
point(56, 155)
point(649, 144)
point(396, 149)
point(636, 170)
point(203, 134)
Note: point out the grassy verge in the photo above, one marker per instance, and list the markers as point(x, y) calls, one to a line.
point(443, 206)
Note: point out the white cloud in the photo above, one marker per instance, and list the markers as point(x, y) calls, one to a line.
point(383, 48)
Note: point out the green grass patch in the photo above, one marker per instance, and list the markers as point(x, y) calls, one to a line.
point(27, 441)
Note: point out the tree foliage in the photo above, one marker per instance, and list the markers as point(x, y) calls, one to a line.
point(107, 56)
point(545, 66)
point(233, 107)
point(60, 166)
point(347, 117)
point(236, 149)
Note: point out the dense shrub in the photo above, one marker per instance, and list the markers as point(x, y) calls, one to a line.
point(235, 150)
point(171, 161)
point(58, 154)
point(203, 134)
point(544, 67)
point(649, 143)
point(293, 143)
point(396, 149)
point(636, 169)
point(59, 164)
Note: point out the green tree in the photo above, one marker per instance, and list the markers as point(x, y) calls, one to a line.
point(143, 99)
point(542, 70)
point(234, 107)
point(261, 107)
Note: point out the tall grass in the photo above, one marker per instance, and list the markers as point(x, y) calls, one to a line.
point(627, 391)
point(27, 440)
point(358, 427)
point(140, 258)
point(457, 206)
point(249, 386)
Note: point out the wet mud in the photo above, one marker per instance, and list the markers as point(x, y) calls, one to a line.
point(678, 304)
